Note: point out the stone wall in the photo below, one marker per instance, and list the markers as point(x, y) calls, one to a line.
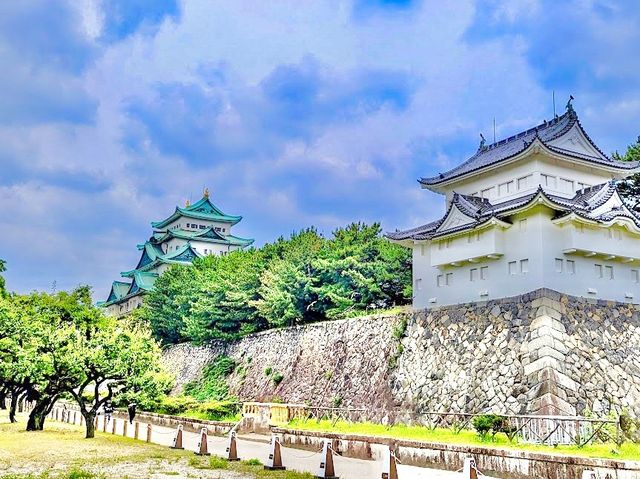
point(542, 352)
point(344, 362)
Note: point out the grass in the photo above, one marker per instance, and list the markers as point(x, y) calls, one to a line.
point(628, 451)
point(61, 452)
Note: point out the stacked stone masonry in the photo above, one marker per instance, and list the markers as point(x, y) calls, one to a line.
point(542, 352)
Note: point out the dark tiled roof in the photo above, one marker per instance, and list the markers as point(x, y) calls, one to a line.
point(507, 148)
point(583, 204)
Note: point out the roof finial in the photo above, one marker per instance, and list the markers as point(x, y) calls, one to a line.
point(569, 105)
point(206, 192)
point(482, 143)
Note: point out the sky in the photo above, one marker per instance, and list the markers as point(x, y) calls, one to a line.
point(293, 113)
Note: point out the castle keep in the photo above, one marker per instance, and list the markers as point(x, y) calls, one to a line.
point(197, 230)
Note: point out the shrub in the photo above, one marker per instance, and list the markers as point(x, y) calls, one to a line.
point(218, 410)
point(216, 462)
point(277, 378)
point(400, 330)
point(213, 382)
point(174, 405)
point(491, 423)
point(268, 370)
point(252, 462)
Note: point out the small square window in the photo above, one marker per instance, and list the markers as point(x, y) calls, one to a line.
point(484, 272)
point(440, 280)
point(524, 266)
point(523, 182)
point(559, 265)
point(522, 225)
point(608, 272)
point(513, 265)
point(419, 284)
point(473, 274)
point(599, 271)
point(449, 279)
point(635, 276)
point(571, 266)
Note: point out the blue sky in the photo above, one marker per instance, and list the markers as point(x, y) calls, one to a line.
point(292, 113)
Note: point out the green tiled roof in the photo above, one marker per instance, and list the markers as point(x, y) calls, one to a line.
point(119, 289)
point(202, 210)
point(152, 257)
point(209, 235)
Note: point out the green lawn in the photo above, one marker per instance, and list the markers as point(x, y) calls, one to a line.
point(628, 451)
point(61, 452)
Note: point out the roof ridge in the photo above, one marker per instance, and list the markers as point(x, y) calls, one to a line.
point(535, 129)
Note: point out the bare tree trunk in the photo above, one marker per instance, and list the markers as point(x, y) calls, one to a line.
point(90, 423)
point(12, 407)
point(39, 413)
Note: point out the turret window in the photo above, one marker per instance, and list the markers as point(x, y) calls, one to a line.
point(548, 180)
point(635, 276)
point(523, 182)
point(566, 185)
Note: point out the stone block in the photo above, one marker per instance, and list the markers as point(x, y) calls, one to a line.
point(548, 302)
point(547, 311)
point(547, 321)
point(545, 362)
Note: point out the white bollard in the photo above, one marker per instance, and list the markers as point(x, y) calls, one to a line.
point(469, 470)
point(326, 469)
point(203, 445)
point(232, 448)
point(274, 462)
point(389, 466)
point(177, 439)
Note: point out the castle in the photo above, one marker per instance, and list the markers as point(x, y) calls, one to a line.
point(196, 230)
point(539, 209)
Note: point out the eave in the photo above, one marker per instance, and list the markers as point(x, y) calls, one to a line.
point(180, 212)
point(535, 147)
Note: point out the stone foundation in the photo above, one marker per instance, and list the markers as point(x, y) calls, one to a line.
point(542, 352)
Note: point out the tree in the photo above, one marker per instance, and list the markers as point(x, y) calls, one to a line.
point(55, 345)
point(630, 187)
point(291, 281)
point(285, 292)
point(3, 268)
point(227, 289)
point(110, 358)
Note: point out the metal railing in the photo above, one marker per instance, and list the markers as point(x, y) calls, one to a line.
point(536, 429)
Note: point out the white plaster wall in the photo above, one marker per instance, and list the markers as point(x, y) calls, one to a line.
point(534, 165)
point(182, 223)
point(542, 242)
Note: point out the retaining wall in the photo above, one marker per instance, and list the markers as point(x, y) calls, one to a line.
point(541, 352)
point(502, 463)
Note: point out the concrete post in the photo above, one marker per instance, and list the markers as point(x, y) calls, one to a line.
point(124, 428)
point(136, 430)
point(149, 432)
point(113, 426)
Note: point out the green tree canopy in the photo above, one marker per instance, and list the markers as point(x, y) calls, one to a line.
point(60, 344)
point(630, 188)
point(292, 281)
point(3, 268)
